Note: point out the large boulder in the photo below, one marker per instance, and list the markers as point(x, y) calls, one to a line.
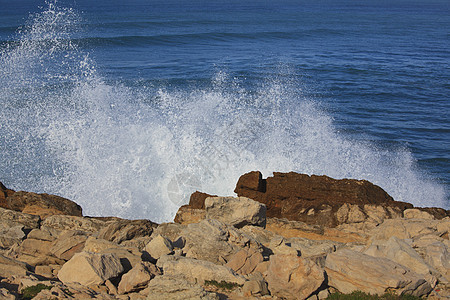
point(293, 277)
point(159, 246)
point(196, 270)
point(313, 199)
point(88, 268)
point(43, 204)
point(350, 271)
point(237, 212)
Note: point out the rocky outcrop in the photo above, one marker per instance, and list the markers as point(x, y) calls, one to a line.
point(227, 253)
point(322, 200)
point(42, 205)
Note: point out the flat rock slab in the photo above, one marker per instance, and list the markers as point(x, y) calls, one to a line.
point(350, 271)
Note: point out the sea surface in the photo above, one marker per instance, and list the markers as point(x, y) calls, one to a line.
point(127, 107)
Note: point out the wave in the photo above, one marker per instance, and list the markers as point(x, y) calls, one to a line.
point(138, 152)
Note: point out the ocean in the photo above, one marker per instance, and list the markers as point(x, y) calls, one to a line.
point(128, 107)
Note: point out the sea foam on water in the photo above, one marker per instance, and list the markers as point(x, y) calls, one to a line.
point(139, 152)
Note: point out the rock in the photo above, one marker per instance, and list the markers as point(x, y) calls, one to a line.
point(258, 233)
point(414, 213)
point(11, 267)
point(137, 278)
point(400, 252)
point(50, 204)
point(293, 277)
point(194, 212)
point(87, 268)
point(159, 246)
point(5, 294)
point(312, 248)
point(214, 241)
point(437, 255)
point(245, 261)
point(129, 256)
point(10, 218)
point(41, 234)
point(313, 199)
point(62, 222)
point(4, 193)
point(350, 271)
point(172, 231)
point(175, 288)
point(409, 228)
point(237, 212)
point(122, 230)
point(11, 236)
point(36, 252)
point(196, 270)
point(189, 215)
point(67, 244)
point(197, 200)
point(278, 245)
point(255, 286)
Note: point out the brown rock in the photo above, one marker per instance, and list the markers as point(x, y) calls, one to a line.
point(197, 200)
point(312, 199)
point(44, 204)
point(245, 261)
point(188, 215)
point(4, 193)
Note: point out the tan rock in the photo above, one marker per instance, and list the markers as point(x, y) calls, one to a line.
point(407, 229)
point(414, 213)
point(293, 277)
point(349, 271)
point(11, 236)
point(119, 230)
point(172, 231)
point(175, 288)
point(159, 246)
point(62, 223)
point(11, 267)
point(138, 277)
point(278, 245)
point(10, 218)
point(129, 256)
point(6, 295)
point(255, 286)
point(67, 244)
point(210, 240)
point(90, 268)
point(197, 270)
point(188, 215)
point(245, 261)
point(41, 234)
point(48, 203)
point(401, 252)
point(236, 211)
point(438, 256)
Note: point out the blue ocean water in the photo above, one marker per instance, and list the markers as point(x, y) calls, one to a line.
point(128, 107)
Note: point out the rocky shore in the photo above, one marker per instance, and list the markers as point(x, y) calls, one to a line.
point(290, 236)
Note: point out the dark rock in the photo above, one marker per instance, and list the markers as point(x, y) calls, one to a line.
point(311, 199)
point(197, 200)
point(4, 193)
point(43, 204)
